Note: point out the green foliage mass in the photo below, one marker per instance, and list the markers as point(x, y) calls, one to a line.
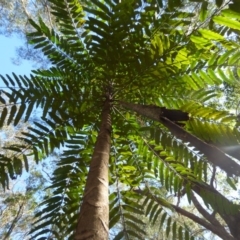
point(145, 52)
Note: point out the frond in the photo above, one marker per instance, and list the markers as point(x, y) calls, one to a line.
point(66, 191)
point(157, 211)
point(124, 209)
point(61, 52)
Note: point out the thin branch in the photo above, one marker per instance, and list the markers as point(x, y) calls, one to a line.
point(213, 176)
point(14, 222)
point(25, 10)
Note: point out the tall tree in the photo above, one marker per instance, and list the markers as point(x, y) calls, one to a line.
point(19, 197)
point(113, 54)
point(94, 214)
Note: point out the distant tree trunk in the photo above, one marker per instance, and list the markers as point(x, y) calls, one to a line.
point(94, 213)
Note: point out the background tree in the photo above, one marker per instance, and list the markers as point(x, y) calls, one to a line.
point(14, 17)
point(137, 53)
point(18, 205)
point(21, 195)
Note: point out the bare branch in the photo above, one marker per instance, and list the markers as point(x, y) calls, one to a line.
point(14, 222)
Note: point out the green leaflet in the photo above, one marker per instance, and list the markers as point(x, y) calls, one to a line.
point(11, 170)
point(180, 234)
point(12, 114)
point(17, 165)
point(168, 226)
point(26, 162)
point(225, 56)
point(19, 114)
point(227, 22)
point(234, 58)
point(231, 183)
point(163, 219)
point(213, 59)
point(230, 13)
point(210, 34)
point(119, 236)
point(3, 116)
point(157, 213)
point(204, 11)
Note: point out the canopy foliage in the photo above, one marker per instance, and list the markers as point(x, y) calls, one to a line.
point(146, 52)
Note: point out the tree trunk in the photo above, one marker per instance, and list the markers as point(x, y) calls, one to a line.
point(213, 154)
point(94, 213)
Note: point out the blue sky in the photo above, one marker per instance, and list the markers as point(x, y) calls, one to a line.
point(8, 47)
